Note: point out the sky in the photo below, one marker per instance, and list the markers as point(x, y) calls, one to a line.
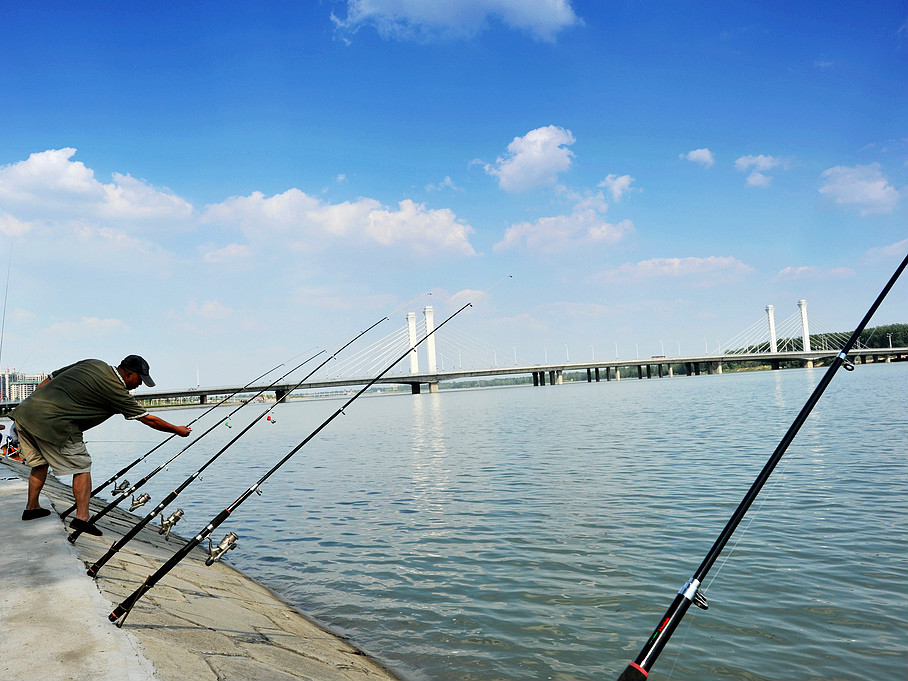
point(220, 187)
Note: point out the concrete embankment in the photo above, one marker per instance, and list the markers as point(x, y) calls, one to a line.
point(202, 623)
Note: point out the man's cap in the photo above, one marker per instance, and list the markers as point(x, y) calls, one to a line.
point(139, 366)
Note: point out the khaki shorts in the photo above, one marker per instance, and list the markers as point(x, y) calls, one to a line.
point(69, 459)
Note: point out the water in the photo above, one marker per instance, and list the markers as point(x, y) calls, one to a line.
point(540, 533)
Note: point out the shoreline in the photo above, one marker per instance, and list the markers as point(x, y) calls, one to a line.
point(200, 622)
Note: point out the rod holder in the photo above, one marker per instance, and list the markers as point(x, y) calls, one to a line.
point(167, 525)
point(216, 552)
point(140, 500)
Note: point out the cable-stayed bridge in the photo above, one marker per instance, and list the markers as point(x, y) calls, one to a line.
point(450, 355)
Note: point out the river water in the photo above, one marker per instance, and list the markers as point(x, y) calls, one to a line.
point(541, 532)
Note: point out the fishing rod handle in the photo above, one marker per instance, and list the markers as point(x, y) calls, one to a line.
point(633, 673)
point(639, 668)
point(119, 613)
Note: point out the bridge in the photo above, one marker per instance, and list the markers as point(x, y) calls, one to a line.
point(763, 343)
point(543, 374)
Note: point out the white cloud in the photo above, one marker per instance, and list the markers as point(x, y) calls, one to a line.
point(11, 226)
point(258, 215)
point(757, 179)
point(758, 165)
point(534, 160)
point(417, 20)
point(47, 172)
point(209, 309)
point(617, 186)
point(129, 198)
point(711, 270)
point(229, 253)
point(896, 250)
point(309, 223)
point(864, 187)
point(446, 183)
point(584, 226)
point(425, 230)
point(87, 327)
point(49, 185)
point(704, 157)
point(811, 272)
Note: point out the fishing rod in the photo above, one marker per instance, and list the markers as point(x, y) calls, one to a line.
point(116, 476)
point(638, 670)
point(120, 613)
point(9, 268)
point(167, 525)
point(144, 498)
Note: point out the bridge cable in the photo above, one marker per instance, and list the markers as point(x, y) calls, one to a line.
point(638, 670)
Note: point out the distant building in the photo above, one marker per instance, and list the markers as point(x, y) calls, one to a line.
point(16, 386)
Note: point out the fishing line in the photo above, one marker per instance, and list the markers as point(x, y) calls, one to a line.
point(120, 613)
point(168, 523)
point(124, 492)
point(116, 476)
point(766, 496)
point(690, 594)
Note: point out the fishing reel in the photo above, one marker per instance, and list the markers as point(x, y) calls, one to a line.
point(122, 487)
point(215, 553)
point(167, 525)
point(140, 500)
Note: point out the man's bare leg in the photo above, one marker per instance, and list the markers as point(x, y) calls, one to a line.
point(82, 493)
point(35, 484)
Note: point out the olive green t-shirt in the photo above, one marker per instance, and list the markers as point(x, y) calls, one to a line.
point(78, 397)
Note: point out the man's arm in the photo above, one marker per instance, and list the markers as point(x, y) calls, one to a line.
point(164, 426)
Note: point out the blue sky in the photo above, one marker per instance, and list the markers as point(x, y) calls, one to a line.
point(220, 186)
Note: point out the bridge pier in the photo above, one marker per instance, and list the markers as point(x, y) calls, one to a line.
point(649, 371)
point(597, 374)
point(640, 371)
point(415, 388)
point(433, 387)
point(203, 399)
point(280, 395)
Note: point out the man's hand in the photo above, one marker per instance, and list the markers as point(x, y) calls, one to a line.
point(160, 424)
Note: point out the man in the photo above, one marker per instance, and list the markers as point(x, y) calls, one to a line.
point(71, 400)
